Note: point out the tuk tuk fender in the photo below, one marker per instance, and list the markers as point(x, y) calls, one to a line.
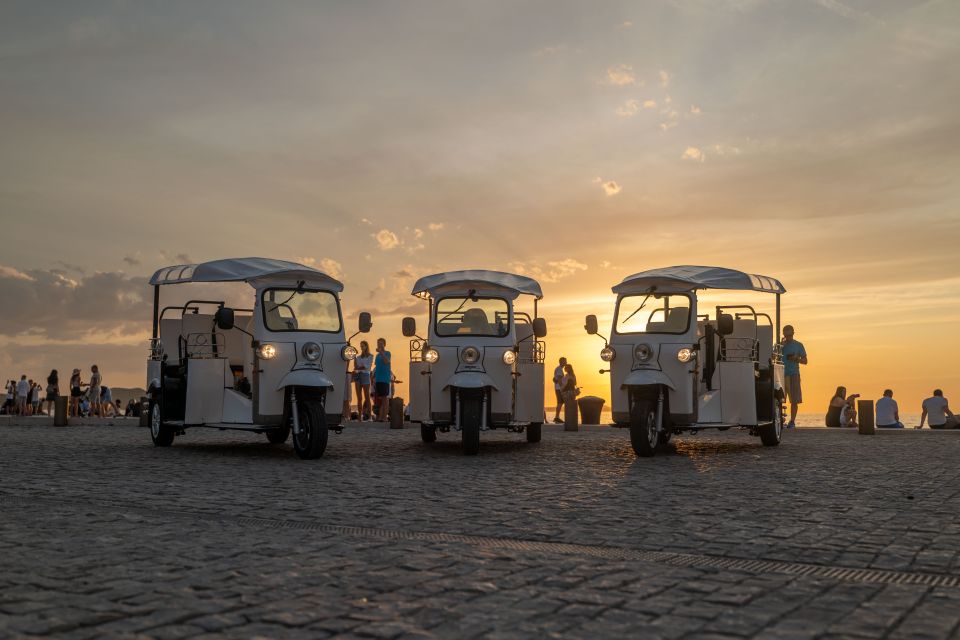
point(647, 377)
point(470, 380)
point(305, 378)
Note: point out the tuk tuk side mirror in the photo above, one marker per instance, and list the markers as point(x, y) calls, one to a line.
point(724, 324)
point(590, 324)
point(409, 327)
point(366, 323)
point(224, 318)
point(540, 327)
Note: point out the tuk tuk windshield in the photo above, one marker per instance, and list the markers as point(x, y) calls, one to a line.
point(469, 317)
point(301, 310)
point(653, 313)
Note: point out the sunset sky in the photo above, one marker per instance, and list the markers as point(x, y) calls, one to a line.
point(814, 141)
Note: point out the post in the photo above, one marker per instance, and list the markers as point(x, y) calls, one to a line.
point(865, 417)
point(396, 413)
point(60, 411)
point(776, 338)
point(156, 311)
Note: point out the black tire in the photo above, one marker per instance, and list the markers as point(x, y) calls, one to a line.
point(771, 433)
point(665, 439)
point(643, 427)
point(279, 435)
point(428, 434)
point(161, 433)
point(534, 431)
point(311, 442)
point(470, 418)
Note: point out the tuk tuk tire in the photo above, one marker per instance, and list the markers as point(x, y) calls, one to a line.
point(312, 441)
point(643, 428)
point(770, 434)
point(665, 438)
point(534, 431)
point(428, 434)
point(470, 425)
point(161, 433)
point(278, 436)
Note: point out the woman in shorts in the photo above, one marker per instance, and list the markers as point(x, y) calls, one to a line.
point(76, 392)
point(96, 380)
point(361, 378)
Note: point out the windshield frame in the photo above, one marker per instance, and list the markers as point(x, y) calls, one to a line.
point(437, 315)
point(262, 301)
point(654, 296)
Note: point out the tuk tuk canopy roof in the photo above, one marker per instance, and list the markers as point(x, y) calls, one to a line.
point(689, 277)
point(242, 269)
point(481, 278)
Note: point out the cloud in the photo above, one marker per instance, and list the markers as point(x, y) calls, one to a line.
point(664, 79)
point(418, 233)
point(365, 221)
point(386, 239)
point(649, 104)
point(621, 76)
point(610, 187)
point(693, 153)
point(435, 226)
point(626, 24)
point(131, 260)
point(553, 271)
point(694, 109)
point(328, 265)
point(664, 126)
point(14, 274)
point(628, 108)
point(550, 50)
point(605, 264)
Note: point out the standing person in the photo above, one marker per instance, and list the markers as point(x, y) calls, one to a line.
point(35, 391)
point(94, 391)
point(557, 379)
point(362, 366)
point(888, 413)
point(568, 385)
point(382, 377)
point(53, 390)
point(76, 390)
point(794, 355)
point(11, 395)
point(937, 409)
point(23, 391)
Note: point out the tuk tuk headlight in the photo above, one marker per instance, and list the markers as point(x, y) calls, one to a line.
point(685, 354)
point(431, 355)
point(311, 351)
point(266, 352)
point(643, 352)
point(348, 353)
point(607, 354)
point(470, 355)
point(509, 357)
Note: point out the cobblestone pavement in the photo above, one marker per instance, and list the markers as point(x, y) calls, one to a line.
point(830, 535)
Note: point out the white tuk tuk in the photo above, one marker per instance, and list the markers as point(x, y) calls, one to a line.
point(674, 368)
point(481, 365)
point(278, 366)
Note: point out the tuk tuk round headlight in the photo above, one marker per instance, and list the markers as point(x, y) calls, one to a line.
point(509, 357)
point(607, 354)
point(266, 352)
point(685, 354)
point(431, 355)
point(643, 352)
point(470, 355)
point(311, 351)
point(348, 353)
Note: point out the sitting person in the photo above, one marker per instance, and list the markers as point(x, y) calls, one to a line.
point(937, 409)
point(887, 411)
point(836, 408)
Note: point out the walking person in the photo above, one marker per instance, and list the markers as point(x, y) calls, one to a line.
point(937, 410)
point(557, 379)
point(76, 391)
point(94, 391)
point(794, 355)
point(53, 390)
point(888, 412)
point(382, 378)
point(362, 366)
point(23, 392)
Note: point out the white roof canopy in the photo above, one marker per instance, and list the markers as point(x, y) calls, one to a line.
point(688, 278)
point(477, 279)
point(242, 269)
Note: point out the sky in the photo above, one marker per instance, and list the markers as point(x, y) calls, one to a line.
point(813, 141)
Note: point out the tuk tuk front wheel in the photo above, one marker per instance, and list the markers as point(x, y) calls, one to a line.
point(311, 442)
point(470, 419)
point(161, 433)
point(428, 434)
point(770, 433)
point(534, 431)
point(643, 428)
point(278, 436)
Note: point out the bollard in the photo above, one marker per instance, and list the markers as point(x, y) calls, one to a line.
point(396, 413)
point(590, 409)
point(865, 417)
point(570, 411)
point(60, 411)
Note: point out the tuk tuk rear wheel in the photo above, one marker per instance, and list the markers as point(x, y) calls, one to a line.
point(470, 424)
point(643, 428)
point(311, 442)
point(534, 431)
point(278, 436)
point(161, 433)
point(428, 434)
point(770, 433)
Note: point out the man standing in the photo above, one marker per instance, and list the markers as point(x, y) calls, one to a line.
point(557, 378)
point(23, 390)
point(382, 377)
point(888, 413)
point(794, 355)
point(937, 409)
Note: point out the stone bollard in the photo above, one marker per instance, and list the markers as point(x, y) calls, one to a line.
point(60, 411)
point(570, 413)
point(865, 417)
point(590, 409)
point(396, 413)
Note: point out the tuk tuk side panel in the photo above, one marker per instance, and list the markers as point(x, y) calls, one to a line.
point(205, 379)
point(153, 374)
point(335, 367)
point(441, 371)
point(419, 400)
point(269, 374)
point(738, 393)
point(529, 399)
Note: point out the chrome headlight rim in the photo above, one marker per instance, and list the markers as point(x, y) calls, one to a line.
point(431, 355)
point(608, 353)
point(349, 352)
point(311, 351)
point(643, 352)
point(509, 357)
point(266, 352)
point(685, 354)
point(470, 355)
